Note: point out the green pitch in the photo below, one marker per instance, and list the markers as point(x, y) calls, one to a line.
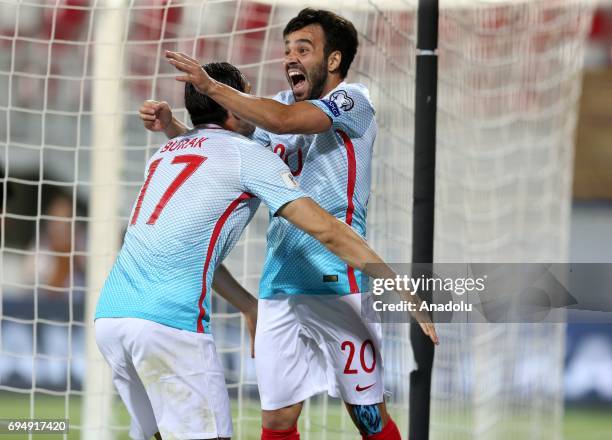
point(579, 424)
point(246, 422)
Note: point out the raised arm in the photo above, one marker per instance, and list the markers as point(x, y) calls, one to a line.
point(230, 289)
point(340, 239)
point(272, 116)
point(157, 116)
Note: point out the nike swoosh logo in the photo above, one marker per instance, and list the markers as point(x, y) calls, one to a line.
point(359, 388)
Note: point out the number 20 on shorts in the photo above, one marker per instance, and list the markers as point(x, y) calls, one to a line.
point(350, 346)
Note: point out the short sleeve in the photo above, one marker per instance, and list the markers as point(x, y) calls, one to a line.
point(261, 137)
point(267, 177)
point(349, 108)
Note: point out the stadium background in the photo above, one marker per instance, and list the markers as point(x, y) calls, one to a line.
point(588, 373)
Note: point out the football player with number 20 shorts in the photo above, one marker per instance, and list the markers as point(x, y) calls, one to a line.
point(152, 321)
point(310, 336)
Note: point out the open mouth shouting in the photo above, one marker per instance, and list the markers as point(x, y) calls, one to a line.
point(298, 81)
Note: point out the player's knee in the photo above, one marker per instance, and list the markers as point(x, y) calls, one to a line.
point(368, 418)
point(281, 419)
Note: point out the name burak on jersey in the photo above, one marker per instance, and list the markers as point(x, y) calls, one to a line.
point(180, 144)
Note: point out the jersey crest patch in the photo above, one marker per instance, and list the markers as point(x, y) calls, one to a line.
point(342, 100)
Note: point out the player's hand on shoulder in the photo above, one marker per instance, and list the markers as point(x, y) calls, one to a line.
point(155, 115)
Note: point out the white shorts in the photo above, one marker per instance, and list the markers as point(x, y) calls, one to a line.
point(170, 380)
point(308, 344)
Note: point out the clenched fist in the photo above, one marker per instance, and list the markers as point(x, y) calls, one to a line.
point(155, 115)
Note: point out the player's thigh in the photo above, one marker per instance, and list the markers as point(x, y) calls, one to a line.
point(184, 381)
point(351, 347)
point(113, 337)
point(284, 356)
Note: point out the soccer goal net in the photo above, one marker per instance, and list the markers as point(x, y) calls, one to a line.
point(72, 76)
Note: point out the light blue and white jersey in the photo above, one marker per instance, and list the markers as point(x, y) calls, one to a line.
point(200, 192)
point(334, 168)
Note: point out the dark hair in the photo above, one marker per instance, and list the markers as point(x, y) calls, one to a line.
point(340, 34)
point(202, 109)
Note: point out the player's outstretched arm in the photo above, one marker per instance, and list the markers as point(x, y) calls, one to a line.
point(340, 239)
point(272, 116)
point(157, 116)
point(230, 289)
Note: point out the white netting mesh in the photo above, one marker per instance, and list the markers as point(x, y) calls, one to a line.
point(509, 80)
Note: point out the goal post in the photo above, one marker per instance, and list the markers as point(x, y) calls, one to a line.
point(72, 76)
point(423, 205)
point(104, 230)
